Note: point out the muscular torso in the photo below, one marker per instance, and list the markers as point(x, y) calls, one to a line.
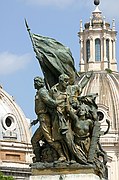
point(59, 96)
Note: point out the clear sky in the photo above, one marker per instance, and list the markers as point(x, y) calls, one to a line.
point(58, 19)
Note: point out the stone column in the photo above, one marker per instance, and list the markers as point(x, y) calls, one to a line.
point(91, 49)
point(110, 50)
point(114, 50)
point(104, 49)
point(110, 53)
point(105, 61)
point(82, 63)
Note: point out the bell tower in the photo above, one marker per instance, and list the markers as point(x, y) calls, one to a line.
point(97, 43)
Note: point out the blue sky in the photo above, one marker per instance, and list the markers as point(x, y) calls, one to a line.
point(58, 19)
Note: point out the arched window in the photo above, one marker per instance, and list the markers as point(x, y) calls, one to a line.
point(87, 50)
point(97, 50)
point(107, 49)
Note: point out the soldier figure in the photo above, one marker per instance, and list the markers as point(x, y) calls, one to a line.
point(42, 103)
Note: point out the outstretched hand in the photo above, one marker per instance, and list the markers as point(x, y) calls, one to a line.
point(34, 122)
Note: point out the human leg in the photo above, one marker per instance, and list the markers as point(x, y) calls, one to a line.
point(37, 136)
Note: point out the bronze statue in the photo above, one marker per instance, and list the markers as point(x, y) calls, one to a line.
point(69, 123)
point(82, 128)
point(42, 103)
point(69, 93)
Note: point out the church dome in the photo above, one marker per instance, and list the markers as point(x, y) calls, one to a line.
point(13, 123)
point(15, 136)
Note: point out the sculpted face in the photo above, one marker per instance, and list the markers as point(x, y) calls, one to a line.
point(64, 80)
point(82, 111)
point(38, 82)
point(65, 83)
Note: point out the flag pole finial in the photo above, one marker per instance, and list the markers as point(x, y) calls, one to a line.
point(28, 29)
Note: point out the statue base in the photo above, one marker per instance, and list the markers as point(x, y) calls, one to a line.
point(63, 171)
point(66, 177)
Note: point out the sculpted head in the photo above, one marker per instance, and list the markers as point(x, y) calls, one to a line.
point(82, 110)
point(38, 82)
point(64, 80)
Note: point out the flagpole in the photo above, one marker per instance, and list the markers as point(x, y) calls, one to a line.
point(36, 51)
point(30, 34)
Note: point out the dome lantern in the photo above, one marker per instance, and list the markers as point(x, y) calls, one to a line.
point(98, 43)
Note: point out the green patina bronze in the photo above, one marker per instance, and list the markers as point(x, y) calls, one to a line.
point(69, 129)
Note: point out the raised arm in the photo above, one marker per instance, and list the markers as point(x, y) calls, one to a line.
point(47, 99)
point(85, 80)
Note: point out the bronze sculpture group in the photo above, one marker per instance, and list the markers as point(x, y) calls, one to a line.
point(69, 128)
point(67, 124)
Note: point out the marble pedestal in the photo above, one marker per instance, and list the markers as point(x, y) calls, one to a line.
point(63, 172)
point(66, 177)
